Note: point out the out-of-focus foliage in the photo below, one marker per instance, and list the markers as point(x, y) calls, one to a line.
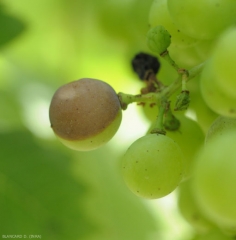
point(38, 193)
point(10, 27)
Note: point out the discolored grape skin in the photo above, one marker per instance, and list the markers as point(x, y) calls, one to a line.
point(85, 114)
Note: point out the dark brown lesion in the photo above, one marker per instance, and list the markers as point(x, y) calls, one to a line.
point(143, 64)
point(146, 66)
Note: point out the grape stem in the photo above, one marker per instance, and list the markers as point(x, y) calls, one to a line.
point(165, 93)
point(171, 123)
point(158, 127)
point(126, 99)
point(165, 55)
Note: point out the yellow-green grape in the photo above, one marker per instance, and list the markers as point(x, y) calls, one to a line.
point(220, 126)
point(214, 180)
point(85, 114)
point(204, 115)
point(185, 57)
point(190, 211)
point(224, 61)
point(202, 19)
point(215, 97)
point(204, 48)
point(159, 15)
point(190, 138)
point(158, 39)
point(152, 167)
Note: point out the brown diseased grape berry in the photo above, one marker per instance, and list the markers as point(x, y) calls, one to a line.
point(85, 114)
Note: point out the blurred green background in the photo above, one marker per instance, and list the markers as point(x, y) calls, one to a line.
point(46, 189)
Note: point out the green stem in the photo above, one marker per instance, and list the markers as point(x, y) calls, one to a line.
point(193, 72)
point(171, 123)
point(165, 55)
point(184, 81)
point(168, 91)
point(126, 99)
point(158, 127)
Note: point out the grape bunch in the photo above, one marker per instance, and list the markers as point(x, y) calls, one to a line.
point(195, 156)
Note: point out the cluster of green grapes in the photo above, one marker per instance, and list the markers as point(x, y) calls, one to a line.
point(198, 40)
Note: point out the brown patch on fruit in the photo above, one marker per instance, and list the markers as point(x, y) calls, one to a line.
point(83, 108)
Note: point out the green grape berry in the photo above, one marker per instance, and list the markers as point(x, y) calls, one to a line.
point(202, 19)
point(85, 114)
point(152, 167)
point(224, 61)
point(190, 211)
point(214, 180)
point(215, 96)
point(204, 115)
point(220, 126)
point(158, 39)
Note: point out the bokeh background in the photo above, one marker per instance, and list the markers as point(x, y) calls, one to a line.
point(46, 189)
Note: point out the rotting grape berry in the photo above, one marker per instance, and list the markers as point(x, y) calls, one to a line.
point(85, 114)
point(144, 64)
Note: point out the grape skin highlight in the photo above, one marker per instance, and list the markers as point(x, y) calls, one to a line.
point(85, 114)
point(152, 167)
